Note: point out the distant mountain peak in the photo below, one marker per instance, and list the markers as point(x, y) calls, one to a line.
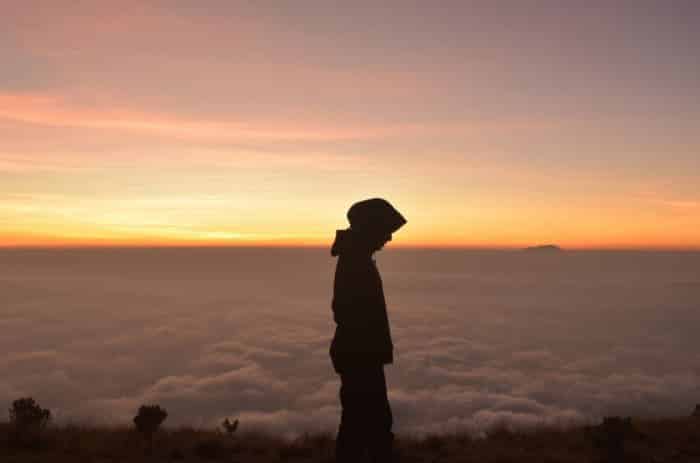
point(544, 248)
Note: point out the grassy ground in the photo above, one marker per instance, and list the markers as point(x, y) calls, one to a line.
point(658, 441)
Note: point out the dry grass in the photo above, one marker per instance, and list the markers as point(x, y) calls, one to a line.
point(658, 441)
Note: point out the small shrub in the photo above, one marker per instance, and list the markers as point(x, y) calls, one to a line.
point(148, 420)
point(26, 413)
point(229, 427)
point(28, 420)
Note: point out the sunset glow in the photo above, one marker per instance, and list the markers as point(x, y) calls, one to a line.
point(238, 125)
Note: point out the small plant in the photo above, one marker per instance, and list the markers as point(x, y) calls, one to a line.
point(229, 427)
point(26, 413)
point(28, 420)
point(148, 420)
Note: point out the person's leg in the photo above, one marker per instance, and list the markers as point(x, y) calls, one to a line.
point(380, 437)
point(349, 444)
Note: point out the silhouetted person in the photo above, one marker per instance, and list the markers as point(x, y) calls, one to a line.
point(362, 343)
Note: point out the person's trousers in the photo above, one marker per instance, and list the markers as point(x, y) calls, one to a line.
point(366, 420)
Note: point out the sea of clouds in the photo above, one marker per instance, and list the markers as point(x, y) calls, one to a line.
point(482, 339)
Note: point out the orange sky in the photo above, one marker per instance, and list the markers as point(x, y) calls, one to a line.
point(171, 124)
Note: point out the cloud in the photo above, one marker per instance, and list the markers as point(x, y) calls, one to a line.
point(47, 110)
point(193, 332)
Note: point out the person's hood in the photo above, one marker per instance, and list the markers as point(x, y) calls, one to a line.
point(345, 243)
point(376, 215)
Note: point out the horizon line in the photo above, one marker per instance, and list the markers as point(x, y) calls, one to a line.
point(436, 247)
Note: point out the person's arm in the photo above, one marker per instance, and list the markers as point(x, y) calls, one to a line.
point(350, 296)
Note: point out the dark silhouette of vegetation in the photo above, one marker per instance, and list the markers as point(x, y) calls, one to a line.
point(229, 427)
point(28, 421)
point(615, 439)
point(674, 440)
point(148, 420)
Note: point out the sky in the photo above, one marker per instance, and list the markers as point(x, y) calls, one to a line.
point(488, 124)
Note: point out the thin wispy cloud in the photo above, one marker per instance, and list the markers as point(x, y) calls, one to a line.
point(52, 111)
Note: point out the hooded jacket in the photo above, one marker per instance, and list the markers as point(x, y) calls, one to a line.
point(362, 335)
